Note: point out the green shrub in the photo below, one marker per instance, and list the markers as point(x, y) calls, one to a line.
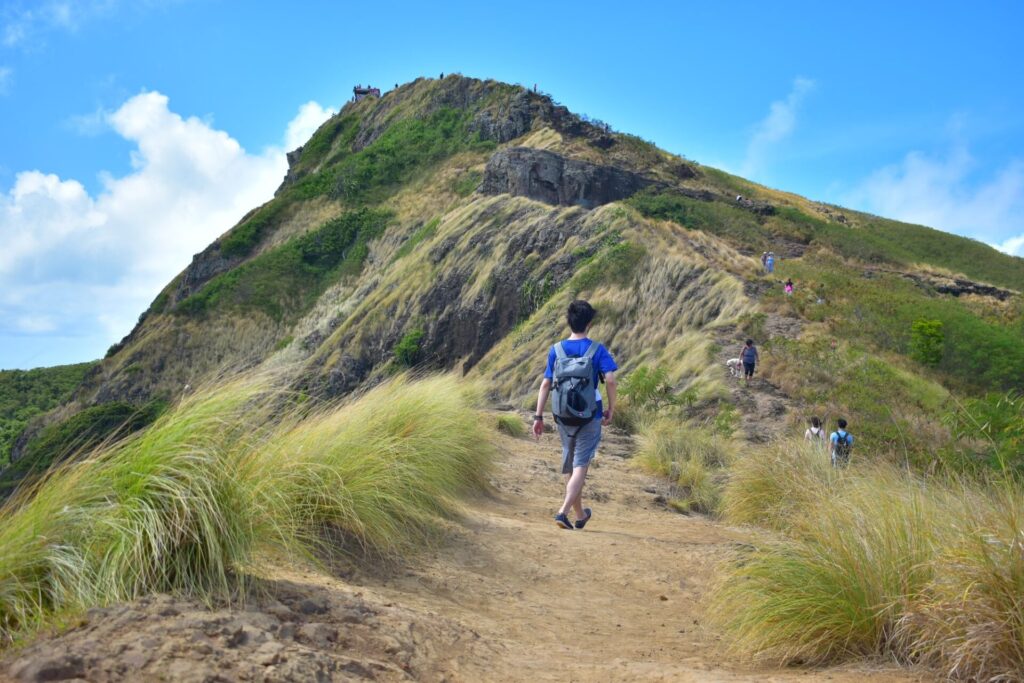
point(992, 427)
point(407, 350)
point(926, 341)
point(716, 217)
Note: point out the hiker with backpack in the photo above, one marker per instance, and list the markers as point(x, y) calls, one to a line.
point(749, 356)
point(574, 368)
point(815, 434)
point(842, 444)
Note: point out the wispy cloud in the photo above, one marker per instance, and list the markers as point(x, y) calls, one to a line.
point(775, 127)
point(949, 191)
point(23, 21)
point(81, 267)
point(6, 77)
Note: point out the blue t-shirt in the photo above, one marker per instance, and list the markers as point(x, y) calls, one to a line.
point(603, 362)
point(835, 437)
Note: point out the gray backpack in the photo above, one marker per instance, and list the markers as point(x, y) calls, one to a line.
point(573, 390)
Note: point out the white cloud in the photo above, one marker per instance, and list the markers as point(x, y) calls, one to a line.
point(310, 116)
point(6, 76)
point(78, 266)
point(945, 192)
point(775, 127)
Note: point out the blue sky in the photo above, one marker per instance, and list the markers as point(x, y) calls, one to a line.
point(133, 133)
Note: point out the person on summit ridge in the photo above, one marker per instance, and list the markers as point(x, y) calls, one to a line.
point(574, 368)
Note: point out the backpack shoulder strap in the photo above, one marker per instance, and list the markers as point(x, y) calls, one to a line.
point(592, 350)
point(559, 351)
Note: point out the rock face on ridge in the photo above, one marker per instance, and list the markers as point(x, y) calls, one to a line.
point(553, 179)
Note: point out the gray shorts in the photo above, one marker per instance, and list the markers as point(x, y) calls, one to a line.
point(579, 451)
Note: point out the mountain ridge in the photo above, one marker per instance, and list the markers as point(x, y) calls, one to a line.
point(456, 216)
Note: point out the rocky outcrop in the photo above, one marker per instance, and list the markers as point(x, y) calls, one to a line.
point(554, 179)
point(761, 208)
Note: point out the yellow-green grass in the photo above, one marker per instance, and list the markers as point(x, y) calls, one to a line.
point(770, 485)
point(690, 457)
point(873, 561)
point(511, 425)
point(231, 478)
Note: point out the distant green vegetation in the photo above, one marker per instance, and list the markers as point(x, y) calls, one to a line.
point(715, 217)
point(27, 393)
point(977, 352)
point(884, 240)
point(196, 503)
point(285, 281)
point(243, 239)
point(402, 150)
point(80, 433)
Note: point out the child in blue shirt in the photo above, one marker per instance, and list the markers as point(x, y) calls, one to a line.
point(579, 442)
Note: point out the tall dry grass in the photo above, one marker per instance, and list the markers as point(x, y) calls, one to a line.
point(231, 477)
point(873, 561)
point(690, 457)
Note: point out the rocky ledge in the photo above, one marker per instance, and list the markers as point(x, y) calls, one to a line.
point(558, 180)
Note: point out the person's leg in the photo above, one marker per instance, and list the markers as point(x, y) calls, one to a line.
point(574, 492)
point(587, 439)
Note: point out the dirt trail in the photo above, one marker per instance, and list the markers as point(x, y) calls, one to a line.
point(763, 406)
point(510, 597)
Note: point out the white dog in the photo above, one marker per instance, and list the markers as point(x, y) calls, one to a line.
point(735, 366)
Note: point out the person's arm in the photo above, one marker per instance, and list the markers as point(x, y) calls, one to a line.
point(610, 385)
point(542, 399)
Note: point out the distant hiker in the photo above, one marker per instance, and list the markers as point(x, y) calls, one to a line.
point(442, 75)
point(748, 354)
point(815, 434)
point(764, 260)
point(842, 444)
point(739, 198)
point(769, 262)
point(789, 287)
point(574, 368)
point(534, 87)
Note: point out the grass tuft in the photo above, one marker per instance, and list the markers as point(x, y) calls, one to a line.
point(231, 477)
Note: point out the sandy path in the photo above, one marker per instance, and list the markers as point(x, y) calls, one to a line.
point(619, 601)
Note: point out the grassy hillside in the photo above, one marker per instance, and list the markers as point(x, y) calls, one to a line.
point(27, 393)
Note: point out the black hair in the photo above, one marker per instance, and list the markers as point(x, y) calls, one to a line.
point(579, 315)
point(842, 423)
point(815, 422)
point(750, 342)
